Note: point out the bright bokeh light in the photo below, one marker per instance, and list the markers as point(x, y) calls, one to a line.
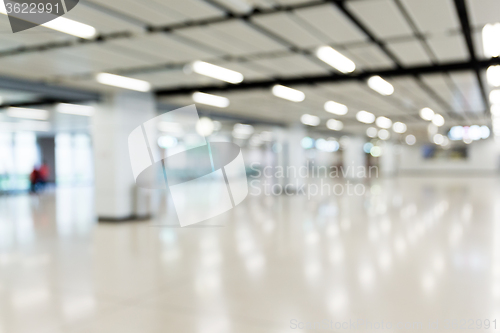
point(371, 132)
point(427, 114)
point(384, 134)
point(383, 122)
point(307, 143)
point(410, 140)
point(365, 117)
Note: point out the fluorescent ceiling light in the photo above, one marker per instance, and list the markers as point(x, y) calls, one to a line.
point(438, 139)
point(123, 82)
point(365, 117)
point(438, 120)
point(493, 75)
point(28, 113)
point(384, 122)
point(243, 129)
point(74, 109)
point(380, 85)
point(495, 97)
point(217, 72)
point(335, 125)
point(427, 114)
point(209, 99)
point(336, 108)
point(410, 140)
point(371, 132)
point(290, 94)
point(399, 127)
point(491, 40)
point(495, 110)
point(64, 25)
point(71, 27)
point(310, 120)
point(384, 134)
point(335, 59)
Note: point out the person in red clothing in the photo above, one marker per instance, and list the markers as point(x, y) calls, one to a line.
point(34, 177)
point(44, 174)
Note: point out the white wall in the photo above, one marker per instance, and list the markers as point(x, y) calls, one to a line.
point(483, 157)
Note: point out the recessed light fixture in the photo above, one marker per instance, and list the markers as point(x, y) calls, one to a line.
point(290, 94)
point(384, 122)
point(438, 120)
point(384, 134)
point(123, 82)
point(493, 75)
point(371, 132)
point(410, 140)
point(365, 117)
point(335, 59)
point(217, 72)
point(380, 85)
point(427, 114)
point(209, 99)
point(310, 120)
point(74, 109)
point(336, 108)
point(491, 40)
point(65, 25)
point(335, 125)
point(399, 127)
point(25, 113)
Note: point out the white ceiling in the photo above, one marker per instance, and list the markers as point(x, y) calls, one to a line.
point(279, 45)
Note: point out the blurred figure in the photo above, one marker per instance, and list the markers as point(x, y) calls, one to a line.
point(34, 178)
point(39, 177)
point(44, 174)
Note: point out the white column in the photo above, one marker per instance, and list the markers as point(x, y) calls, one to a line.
point(354, 158)
point(295, 155)
point(112, 123)
point(388, 159)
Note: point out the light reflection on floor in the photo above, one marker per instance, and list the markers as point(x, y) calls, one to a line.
point(411, 250)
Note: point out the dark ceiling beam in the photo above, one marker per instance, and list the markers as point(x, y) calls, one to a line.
point(102, 38)
point(311, 80)
point(463, 15)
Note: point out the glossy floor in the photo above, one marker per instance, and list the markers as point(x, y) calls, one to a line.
point(410, 252)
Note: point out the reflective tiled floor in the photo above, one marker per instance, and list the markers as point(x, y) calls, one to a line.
point(412, 250)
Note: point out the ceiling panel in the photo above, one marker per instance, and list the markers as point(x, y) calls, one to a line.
point(369, 56)
point(327, 21)
point(410, 53)
point(382, 17)
point(445, 89)
point(483, 11)
point(477, 39)
point(433, 16)
point(468, 85)
point(173, 78)
point(289, 66)
point(103, 22)
point(412, 94)
point(288, 27)
point(449, 48)
point(192, 9)
point(148, 11)
point(164, 46)
point(250, 70)
point(236, 38)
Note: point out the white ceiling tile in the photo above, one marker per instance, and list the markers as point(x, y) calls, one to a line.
point(382, 17)
point(410, 52)
point(175, 78)
point(369, 56)
point(287, 26)
point(328, 22)
point(294, 65)
point(249, 70)
point(445, 89)
point(483, 11)
point(433, 16)
point(147, 11)
point(164, 46)
point(468, 85)
point(236, 38)
point(449, 48)
point(103, 22)
point(477, 39)
point(192, 9)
